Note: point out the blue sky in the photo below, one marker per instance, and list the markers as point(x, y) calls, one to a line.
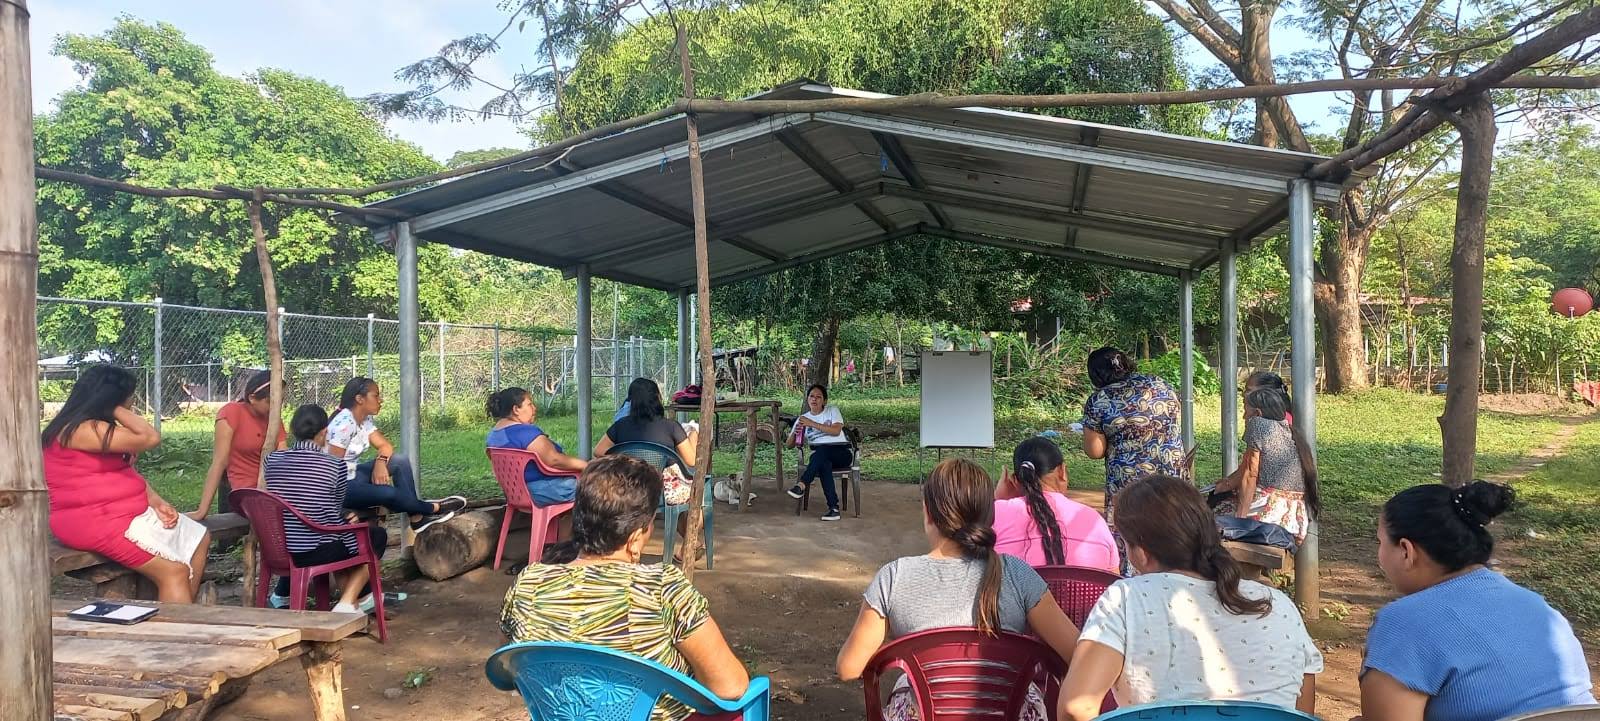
point(358, 45)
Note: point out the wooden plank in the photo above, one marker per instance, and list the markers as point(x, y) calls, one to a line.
point(187, 658)
point(198, 633)
point(321, 626)
point(141, 709)
point(194, 685)
point(172, 696)
point(71, 712)
point(1269, 558)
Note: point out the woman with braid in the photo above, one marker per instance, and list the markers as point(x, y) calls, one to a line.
point(1036, 522)
point(960, 582)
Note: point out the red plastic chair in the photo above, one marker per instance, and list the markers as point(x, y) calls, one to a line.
point(1076, 588)
point(959, 674)
point(510, 465)
point(266, 510)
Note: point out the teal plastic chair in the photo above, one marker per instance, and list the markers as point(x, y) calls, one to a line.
point(1199, 710)
point(561, 681)
point(660, 457)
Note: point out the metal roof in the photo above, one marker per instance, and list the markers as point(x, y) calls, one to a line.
point(791, 188)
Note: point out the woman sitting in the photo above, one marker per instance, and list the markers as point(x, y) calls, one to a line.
point(514, 414)
point(387, 480)
point(315, 483)
point(1131, 420)
point(1186, 628)
point(1463, 643)
point(1277, 475)
point(241, 433)
point(594, 590)
point(1036, 522)
point(646, 420)
point(961, 582)
point(823, 428)
point(1273, 381)
point(99, 503)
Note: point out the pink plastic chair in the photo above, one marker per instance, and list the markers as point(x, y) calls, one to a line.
point(510, 464)
point(1076, 588)
point(266, 513)
point(959, 673)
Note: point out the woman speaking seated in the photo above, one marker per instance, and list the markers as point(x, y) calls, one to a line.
point(99, 503)
point(823, 428)
point(387, 480)
point(594, 590)
point(514, 414)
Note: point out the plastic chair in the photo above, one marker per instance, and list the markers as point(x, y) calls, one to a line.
point(510, 466)
point(960, 673)
point(1564, 713)
point(266, 510)
point(849, 478)
point(1186, 472)
point(659, 457)
point(1233, 710)
point(1076, 588)
point(560, 681)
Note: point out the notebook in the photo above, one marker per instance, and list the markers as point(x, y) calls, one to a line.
point(111, 612)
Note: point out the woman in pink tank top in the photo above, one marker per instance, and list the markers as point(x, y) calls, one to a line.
point(1036, 522)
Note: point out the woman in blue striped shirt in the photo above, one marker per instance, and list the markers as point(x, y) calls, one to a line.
point(315, 483)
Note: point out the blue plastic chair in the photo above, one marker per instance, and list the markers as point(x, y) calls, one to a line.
point(560, 681)
point(1195, 710)
point(660, 457)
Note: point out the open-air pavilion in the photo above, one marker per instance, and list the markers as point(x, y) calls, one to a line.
point(791, 188)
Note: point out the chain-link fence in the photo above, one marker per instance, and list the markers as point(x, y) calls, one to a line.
point(188, 358)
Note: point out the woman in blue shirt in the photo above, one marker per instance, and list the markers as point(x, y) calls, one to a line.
point(514, 414)
point(1463, 643)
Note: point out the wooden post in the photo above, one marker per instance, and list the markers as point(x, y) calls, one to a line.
point(269, 292)
point(1459, 424)
point(25, 693)
point(702, 271)
point(324, 665)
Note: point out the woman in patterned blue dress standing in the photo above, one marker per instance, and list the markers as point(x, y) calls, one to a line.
point(1130, 420)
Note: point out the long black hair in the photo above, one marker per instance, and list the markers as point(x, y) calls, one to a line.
point(1450, 524)
point(644, 401)
point(1034, 459)
point(617, 495)
point(1108, 365)
point(1271, 403)
point(503, 401)
point(356, 386)
point(259, 386)
point(94, 397)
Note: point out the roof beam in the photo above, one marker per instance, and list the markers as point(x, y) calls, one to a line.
point(456, 239)
point(849, 247)
point(1085, 256)
point(1090, 137)
point(622, 193)
point(807, 154)
point(1264, 221)
point(1053, 214)
point(599, 174)
point(1071, 152)
point(897, 154)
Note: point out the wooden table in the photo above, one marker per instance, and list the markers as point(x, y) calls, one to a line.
point(187, 659)
point(752, 410)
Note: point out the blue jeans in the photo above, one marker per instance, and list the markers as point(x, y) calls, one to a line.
point(825, 458)
point(400, 496)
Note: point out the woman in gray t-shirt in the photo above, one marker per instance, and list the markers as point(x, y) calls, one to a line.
point(961, 582)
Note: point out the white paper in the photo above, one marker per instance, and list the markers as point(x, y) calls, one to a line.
point(121, 612)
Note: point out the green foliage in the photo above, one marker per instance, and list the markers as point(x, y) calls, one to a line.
point(1169, 367)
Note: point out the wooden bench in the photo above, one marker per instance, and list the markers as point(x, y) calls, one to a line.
point(113, 580)
point(1257, 559)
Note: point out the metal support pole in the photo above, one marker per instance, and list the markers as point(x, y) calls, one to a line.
point(405, 251)
point(616, 350)
point(283, 320)
point(685, 338)
point(155, 381)
point(694, 340)
point(1186, 347)
point(1303, 369)
point(372, 369)
point(494, 381)
point(544, 363)
point(441, 365)
point(1228, 330)
point(582, 365)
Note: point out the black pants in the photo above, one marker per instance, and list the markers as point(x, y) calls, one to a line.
point(824, 459)
point(333, 550)
point(400, 496)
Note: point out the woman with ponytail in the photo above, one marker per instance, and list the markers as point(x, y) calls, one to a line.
point(1036, 522)
point(1187, 628)
point(961, 582)
point(1462, 643)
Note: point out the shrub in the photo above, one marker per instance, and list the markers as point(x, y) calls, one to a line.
point(1169, 367)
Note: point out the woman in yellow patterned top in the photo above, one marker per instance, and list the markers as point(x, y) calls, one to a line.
point(594, 590)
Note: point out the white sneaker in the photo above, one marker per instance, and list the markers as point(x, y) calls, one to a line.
point(345, 608)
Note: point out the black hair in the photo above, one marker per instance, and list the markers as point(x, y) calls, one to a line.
point(1108, 365)
point(259, 386)
point(503, 401)
point(617, 496)
point(1450, 524)
point(1272, 404)
point(94, 397)
point(308, 421)
point(1268, 379)
point(356, 386)
point(644, 401)
point(1030, 463)
point(818, 387)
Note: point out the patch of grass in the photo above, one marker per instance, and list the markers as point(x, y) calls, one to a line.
point(1558, 503)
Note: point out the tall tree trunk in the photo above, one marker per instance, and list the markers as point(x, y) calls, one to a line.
point(1406, 317)
point(1459, 424)
point(708, 371)
point(24, 503)
point(822, 350)
point(1338, 305)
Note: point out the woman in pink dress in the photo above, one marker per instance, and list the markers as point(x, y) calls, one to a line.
point(99, 503)
point(1036, 522)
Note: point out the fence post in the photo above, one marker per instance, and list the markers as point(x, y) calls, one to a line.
point(283, 320)
point(372, 370)
point(544, 369)
point(441, 365)
point(208, 382)
point(155, 392)
point(495, 381)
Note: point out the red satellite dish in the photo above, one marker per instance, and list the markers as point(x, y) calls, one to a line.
point(1571, 302)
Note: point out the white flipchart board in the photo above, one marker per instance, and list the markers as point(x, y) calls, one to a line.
point(957, 399)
